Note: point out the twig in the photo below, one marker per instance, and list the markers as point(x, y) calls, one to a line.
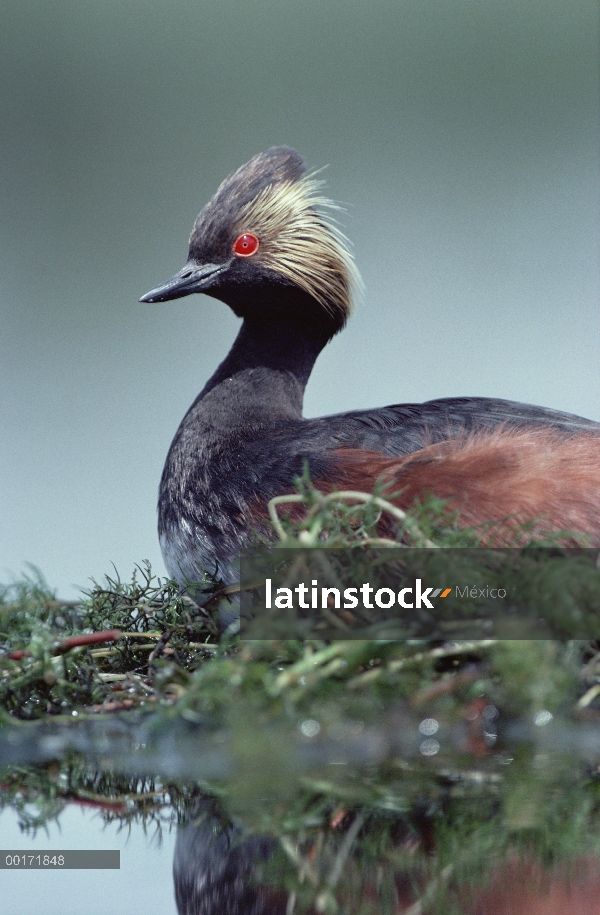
point(75, 641)
point(434, 653)
point(350, 495)
point(345, 849)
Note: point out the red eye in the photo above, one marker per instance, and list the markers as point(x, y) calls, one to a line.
point(245, 245)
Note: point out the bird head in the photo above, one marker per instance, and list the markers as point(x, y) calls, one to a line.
point(266, 240)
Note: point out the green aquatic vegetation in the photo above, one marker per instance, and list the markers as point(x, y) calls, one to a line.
point(372, 763)
point(147, 625)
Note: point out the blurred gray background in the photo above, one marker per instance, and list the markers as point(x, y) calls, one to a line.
point(462, 136)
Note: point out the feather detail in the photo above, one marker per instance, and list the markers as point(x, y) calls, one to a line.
point(505, 477)
point(302, 243)
point(271, 197)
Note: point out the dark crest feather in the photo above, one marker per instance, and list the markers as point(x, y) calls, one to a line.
point(273, 197)
point(277, 164)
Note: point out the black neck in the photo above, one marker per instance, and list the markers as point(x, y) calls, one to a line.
point(272, 358)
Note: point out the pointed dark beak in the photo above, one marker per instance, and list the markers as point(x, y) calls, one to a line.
point(193, 278)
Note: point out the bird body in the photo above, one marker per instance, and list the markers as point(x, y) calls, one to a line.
point(264, 246)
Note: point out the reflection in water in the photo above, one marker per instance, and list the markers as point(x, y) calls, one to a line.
point(420, 808)
point(463, 846)
point(525, 889)
point(216, 870)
